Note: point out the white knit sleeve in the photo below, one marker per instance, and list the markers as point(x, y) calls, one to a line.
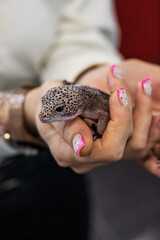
point(86, 36)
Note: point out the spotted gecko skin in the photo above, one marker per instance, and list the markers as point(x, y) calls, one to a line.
point(68, 102)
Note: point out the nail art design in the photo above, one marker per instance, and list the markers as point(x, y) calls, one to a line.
point(122, 96)
point(117, 72)
point(78, 143)
point(147, 87)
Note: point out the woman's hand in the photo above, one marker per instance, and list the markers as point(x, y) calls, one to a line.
point(144, 143)
point(71, 142)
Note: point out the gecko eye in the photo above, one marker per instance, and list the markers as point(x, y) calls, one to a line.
point(59, 109)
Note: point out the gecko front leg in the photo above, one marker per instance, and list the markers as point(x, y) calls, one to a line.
point(103, 120)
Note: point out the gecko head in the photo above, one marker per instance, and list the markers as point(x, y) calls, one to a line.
point(60, 103)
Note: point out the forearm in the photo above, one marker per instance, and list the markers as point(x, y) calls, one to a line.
point(31, 104)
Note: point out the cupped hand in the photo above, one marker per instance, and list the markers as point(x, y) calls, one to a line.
point(71, 142)
point(144, 143)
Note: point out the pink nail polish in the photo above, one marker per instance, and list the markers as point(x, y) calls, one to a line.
point(122, 96)
point(78, 143)
point(117, 72)
point(147, 87)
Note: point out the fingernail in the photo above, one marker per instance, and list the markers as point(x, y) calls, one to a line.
point(122, 96)
point(147, 87)
point(78, 143)
point(117, 72)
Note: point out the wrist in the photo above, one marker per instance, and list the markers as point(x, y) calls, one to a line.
point(88, 71)
point(95, 77)
point(12, 120)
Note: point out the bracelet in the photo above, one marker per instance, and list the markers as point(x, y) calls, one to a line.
point(13, 129)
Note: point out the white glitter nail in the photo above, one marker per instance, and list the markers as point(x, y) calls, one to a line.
point(123, 96)
point(147, 87)
point(78, 143)
point(117, 71)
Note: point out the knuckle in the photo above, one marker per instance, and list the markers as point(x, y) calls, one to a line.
point(62, 163)
point(116, 155)
point(139, 145)
point(81, 170)
point(127, 121)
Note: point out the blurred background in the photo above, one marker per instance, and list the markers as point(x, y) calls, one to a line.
point(140, 24)
point(28, 198)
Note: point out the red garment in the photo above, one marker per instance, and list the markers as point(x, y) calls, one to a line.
point(140, 25)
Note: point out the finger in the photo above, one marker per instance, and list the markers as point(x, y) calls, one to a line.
point(63, 152)
point(154, 134)
point(151, 153)
point(142, 118)
point(59, 148)
point(77, 134)
point(111, 146)
point(156, 150)
point(115, 80)
point(151, 161)
point(152, 164)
